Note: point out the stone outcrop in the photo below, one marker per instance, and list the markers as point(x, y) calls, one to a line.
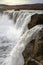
point(36, 19)
point(33, 53)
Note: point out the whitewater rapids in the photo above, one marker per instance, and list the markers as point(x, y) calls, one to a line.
point(14, 36)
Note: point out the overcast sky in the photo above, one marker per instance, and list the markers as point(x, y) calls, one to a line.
point(17, 2)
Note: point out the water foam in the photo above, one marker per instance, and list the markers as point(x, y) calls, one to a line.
point(17, 31)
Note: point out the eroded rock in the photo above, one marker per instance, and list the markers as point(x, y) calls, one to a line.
point(34, 50)
point(33, 53)
point(35, 20)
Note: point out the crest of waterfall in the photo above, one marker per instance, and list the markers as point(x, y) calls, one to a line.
point(16, 35)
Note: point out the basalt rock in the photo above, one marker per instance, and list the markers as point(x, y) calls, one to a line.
point(35, 20)
point(33, 53)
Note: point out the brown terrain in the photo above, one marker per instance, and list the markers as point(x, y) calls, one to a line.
point(22, 7)
point(33, 53)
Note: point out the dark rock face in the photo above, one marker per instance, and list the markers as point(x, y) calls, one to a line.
point(35, 20)
point(34, 50)
point(33, 53)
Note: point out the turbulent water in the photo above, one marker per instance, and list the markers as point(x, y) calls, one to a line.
point(14, 35)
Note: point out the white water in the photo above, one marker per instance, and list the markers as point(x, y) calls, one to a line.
point(14, 36)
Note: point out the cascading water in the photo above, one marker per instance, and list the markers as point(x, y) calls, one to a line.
point(14, 36)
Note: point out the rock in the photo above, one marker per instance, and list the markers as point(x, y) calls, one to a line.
point(34, 50)
point(35, 19)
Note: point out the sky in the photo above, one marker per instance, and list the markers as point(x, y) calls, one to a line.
point(17, 2)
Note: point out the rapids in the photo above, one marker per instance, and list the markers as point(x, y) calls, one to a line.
point(14, 36)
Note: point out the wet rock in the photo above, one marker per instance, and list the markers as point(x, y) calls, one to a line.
point(31, 61)
point(34, 49)
point(35, 20)
point(38, 47)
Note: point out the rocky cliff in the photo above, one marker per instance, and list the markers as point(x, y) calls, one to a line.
point(33, 53)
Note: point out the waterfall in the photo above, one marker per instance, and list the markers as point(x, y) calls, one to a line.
point(16, 35)
point(16, 57)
